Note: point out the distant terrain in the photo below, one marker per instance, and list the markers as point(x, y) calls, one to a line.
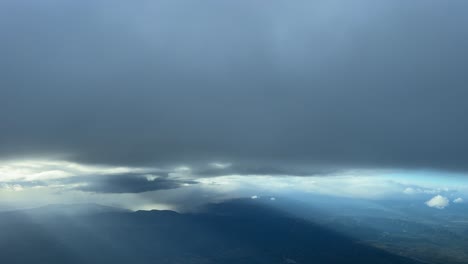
point(404, 227)
point(238, 231)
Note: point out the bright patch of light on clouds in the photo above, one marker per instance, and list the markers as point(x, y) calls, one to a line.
point(348, 186)
point(458, 200)
point(43, 170)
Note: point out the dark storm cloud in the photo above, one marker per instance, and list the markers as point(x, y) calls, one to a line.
point(282, 84)
point(126, 183)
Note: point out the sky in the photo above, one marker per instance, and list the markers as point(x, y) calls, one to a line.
point(162, 103)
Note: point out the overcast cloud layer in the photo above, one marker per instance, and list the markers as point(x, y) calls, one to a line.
point(280, 87)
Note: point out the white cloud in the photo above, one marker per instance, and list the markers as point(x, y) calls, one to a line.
point(438, 201)
point(180, 172)
point(434, 191)
point(12, 187)
point(218, 165)
point(410, 190)
point(151, 177)
point(458, 200)
point(254, 197)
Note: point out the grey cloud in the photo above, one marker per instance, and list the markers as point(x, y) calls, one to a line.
point(282, 84)
point(126, 183)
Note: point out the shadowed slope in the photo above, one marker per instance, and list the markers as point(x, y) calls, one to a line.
point(239, 231)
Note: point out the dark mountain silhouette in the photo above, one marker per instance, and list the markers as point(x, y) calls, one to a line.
point(238, 231)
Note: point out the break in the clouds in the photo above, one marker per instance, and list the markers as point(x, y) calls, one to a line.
point(272, 87)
